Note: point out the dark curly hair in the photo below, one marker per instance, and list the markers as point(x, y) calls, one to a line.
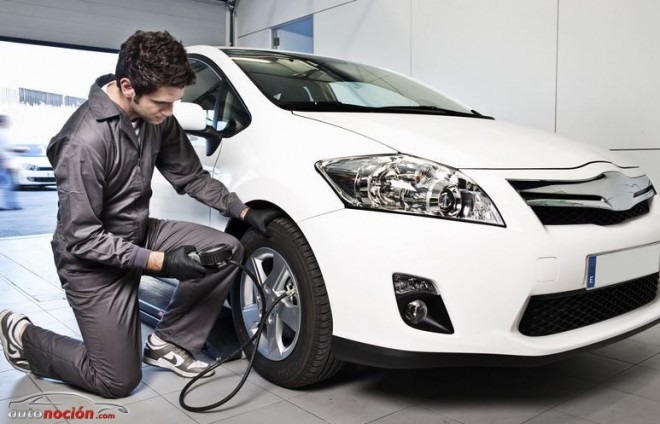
point(151, 60)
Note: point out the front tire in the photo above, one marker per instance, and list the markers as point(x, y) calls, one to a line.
point(294, 348)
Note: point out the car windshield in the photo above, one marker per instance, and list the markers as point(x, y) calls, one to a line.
point(312, 83)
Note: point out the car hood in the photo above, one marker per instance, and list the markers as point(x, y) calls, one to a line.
point(468, 143)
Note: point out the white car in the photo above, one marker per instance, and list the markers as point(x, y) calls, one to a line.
point(30, 166)
point(415, 231)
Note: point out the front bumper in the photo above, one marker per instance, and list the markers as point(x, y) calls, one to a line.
point(35, 178)
point(486, 276)
point(377, 356)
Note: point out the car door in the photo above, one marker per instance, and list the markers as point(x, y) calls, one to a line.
point(224, 112)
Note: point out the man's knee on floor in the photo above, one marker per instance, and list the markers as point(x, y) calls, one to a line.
point(121, 386)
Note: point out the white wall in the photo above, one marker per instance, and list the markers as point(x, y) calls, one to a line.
point(497, 56)
point(588, 69)
point(609, 72)
point(261, 39)
point(257, 15)
point(107, 23)
point(608, 90)
point(376, 32)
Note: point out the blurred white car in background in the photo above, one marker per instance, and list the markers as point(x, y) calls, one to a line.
point(30, 166)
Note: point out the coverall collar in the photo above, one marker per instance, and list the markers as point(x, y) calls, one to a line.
point(101, 106)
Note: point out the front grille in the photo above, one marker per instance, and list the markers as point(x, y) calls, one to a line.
point(559, 312)
point(41, 179)
point(606, 199)
point(549, 215)
point(44, 168)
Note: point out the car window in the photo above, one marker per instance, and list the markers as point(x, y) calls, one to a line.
point(224, 108)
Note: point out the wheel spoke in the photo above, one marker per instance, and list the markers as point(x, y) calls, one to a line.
point(279, 275)
point(256, 266)
point(251, 316)
point(274, 337)
point(290, 315)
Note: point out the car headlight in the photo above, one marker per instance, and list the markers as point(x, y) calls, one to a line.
point(400, 183)
point(29, 167)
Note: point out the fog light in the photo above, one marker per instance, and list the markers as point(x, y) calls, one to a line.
point(416, 311)
point(420, 304)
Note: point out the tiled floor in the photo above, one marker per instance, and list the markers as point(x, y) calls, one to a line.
point(614, 385)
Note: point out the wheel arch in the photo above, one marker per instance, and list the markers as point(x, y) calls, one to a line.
point(237, 227)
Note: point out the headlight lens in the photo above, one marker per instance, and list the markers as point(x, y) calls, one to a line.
point(401, 183)
point(29, 167)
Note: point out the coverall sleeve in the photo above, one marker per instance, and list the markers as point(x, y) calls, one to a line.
point(179, 164)
point(79, 169)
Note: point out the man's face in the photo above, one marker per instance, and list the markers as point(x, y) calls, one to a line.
point(157, 106)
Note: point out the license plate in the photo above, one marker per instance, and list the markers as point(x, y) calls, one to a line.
point(609, 268)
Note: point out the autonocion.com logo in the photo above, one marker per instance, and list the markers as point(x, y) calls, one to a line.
point(63, 406)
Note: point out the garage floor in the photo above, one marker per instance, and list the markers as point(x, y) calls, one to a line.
point(617, 384)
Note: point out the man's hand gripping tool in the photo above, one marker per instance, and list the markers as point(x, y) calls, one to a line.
point(214, 257)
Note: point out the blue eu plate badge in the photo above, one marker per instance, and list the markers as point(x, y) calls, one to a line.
point(591, 272)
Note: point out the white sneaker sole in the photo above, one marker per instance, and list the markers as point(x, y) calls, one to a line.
point(163, 363)
point(5, 348)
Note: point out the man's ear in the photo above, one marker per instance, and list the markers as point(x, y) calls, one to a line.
point(126, 88)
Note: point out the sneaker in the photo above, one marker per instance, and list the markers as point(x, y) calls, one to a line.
point(172, 357)
point(12, 347)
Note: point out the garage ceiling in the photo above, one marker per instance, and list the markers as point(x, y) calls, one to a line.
point(105, 24)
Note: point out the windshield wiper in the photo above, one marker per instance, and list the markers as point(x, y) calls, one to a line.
point(434, 110)
point(348, 107)
point(326, 107)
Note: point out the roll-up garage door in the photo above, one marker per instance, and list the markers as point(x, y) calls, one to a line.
point(106, 24)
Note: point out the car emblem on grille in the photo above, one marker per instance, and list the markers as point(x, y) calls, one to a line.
point(611, 190)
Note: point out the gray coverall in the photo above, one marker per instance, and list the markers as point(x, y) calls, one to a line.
point(103, 238)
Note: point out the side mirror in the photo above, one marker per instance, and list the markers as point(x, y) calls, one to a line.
point(192, 119)
point(191, 116)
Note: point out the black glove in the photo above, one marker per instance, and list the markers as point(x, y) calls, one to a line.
point(179, 265)
point(260, 218)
